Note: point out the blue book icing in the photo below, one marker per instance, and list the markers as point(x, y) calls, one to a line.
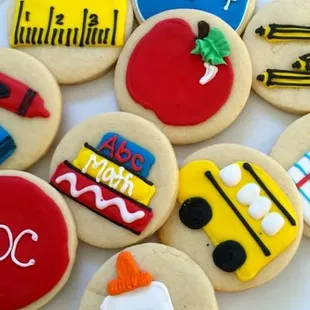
point(231, 11)
point(126, 153)
point(7, 145)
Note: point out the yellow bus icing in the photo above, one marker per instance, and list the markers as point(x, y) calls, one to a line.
point(113, 175)
point(225, 225)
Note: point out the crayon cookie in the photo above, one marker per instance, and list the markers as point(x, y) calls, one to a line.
point(238, 216)
point(77, 40)
point(291, 151)
point(236, 13)
point(149, 276)
point(30, 109)
point(279, 49)
point(198, 85)
point(38, 241)
point(119, 176)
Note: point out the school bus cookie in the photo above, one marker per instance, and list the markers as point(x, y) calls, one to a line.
point(239, 216)
point(77, 40)
point(30, 109)
point(149, 276)
point(199, 84)
point(38, 241)
point(119, 175)
point(279, 49)
point(291, 151)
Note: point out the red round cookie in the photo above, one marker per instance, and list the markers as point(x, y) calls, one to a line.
point(33, 223)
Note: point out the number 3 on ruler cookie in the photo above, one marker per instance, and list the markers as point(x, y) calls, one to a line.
point(69, 23)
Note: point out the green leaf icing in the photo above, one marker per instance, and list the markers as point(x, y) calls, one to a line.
point(213, 47)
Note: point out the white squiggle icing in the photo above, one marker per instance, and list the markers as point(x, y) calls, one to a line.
point(209, 75)
point(227, 5)
point(101, 203)
point(34, 238)
point(109, 175)
point(14, 244)
point(272, 223)
point(231, 175)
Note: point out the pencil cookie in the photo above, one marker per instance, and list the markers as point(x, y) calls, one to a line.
point(119, 175)
point(149, 276)
point(291, 151)
point(77, 40)
point(30, 109)
point(239, 216)
point(198, 85)
point(279, 49)
point(236, 13)
point(38, 241)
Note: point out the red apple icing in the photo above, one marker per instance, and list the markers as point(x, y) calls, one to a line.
point(163, 76)
point(25, 206)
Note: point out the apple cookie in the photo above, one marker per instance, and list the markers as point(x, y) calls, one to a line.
point(292, 152)
point(38, 238)
point(187, 71)
point(236, 13)
point(239, 216)
point(119, 175)
point(149, 276)
point(279, 48)
point(30, 109)
point(77, 40)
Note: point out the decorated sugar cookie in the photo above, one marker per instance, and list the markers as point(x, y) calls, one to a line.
point(191, 91)
point(77, 40)
point(236, 13)
point(292, 152)
point(238, 216)
point(38, 241)
point(149, 276)
point(30, 109)
point(119, 175)
point(279, 49)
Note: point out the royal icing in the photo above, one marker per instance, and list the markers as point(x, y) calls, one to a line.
point(7, 145)
point(96, 180)
point(300, 77)
point(180, 73)
point(300, 173)
point(231, 11)
point(69, 23)
point(134, 289)
point(262, 221)
point(34, 255)
point(18, 98)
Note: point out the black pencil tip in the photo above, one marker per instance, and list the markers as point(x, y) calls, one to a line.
point(260, 31)
point(260, 78)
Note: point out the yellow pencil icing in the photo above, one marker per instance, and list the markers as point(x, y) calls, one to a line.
point(302, 63)
point(69, 23)
point(113, 175)
point(253, 212)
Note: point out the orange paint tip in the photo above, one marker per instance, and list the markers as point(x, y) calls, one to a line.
point(129, 276)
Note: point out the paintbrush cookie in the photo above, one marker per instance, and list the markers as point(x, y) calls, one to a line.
point(238, 216)
point(77, 40)
point(38, 241)
point(236, 13)
point(119, 175)
point(30, 109)
point(280, 54)
point(149, 276)
point(292, 151)
point(191, 91)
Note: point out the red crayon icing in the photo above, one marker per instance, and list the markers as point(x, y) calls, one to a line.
point(20, 99)
point(163, 76)
point(25, 206)
point(88, 199)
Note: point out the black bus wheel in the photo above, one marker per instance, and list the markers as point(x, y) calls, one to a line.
point(195, 213)
point(229, 256)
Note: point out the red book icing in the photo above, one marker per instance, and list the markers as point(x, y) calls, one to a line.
point(101, 199)
point(20, 99)
point(24, 206)
point(163, 76)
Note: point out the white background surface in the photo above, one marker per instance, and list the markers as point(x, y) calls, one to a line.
point(258, 126)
